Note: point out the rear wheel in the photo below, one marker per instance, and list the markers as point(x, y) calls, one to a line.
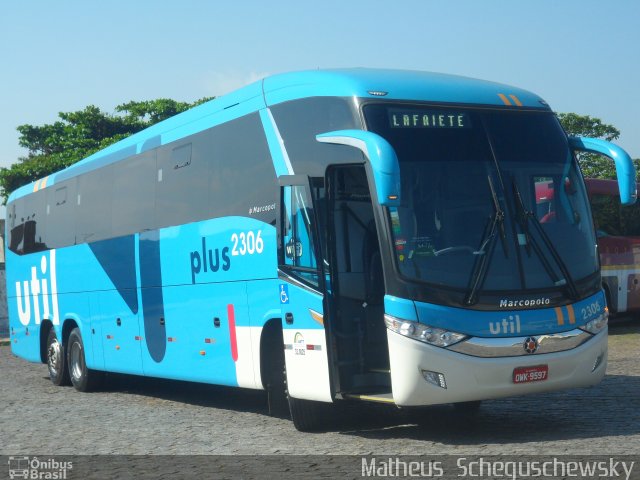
point(56, 361)
point(82, 378)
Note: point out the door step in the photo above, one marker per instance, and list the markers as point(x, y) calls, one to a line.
point(380, 370)
point(371, 397)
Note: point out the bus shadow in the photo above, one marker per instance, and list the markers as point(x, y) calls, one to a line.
point(604, 410)
point(197, 394)
point(624, 325)
point(607, 409)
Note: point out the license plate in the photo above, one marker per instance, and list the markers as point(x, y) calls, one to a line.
point(530, 374)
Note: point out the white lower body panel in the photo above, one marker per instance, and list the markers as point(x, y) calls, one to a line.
point(473, 378)
point(248, 361)
point(305, 355)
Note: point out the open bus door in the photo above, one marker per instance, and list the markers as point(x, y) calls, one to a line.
point(301, 287)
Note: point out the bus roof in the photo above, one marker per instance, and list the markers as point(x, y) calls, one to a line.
point(358, 82)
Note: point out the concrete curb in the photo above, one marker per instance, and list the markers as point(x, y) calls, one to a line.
point(5, 341)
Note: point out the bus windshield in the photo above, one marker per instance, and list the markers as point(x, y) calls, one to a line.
point(473, 212)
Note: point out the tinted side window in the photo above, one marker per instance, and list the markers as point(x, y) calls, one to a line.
point(35, 222)
point(27, 221)
point(94, 201)
point(242, 180)
point(15, 222)
point(61, 219)
point(181, 195)
point(300, 121)
point(134, 195)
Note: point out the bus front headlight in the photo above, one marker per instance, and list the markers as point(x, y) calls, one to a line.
point(423, 333)
point(597, 324)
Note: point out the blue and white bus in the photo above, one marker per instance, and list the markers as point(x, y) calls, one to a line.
point(373, 234)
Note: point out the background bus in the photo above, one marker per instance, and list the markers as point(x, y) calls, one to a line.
point(618, 232)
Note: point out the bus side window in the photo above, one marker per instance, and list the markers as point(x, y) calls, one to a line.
point(94, 205)
point(241, 172)
point(61, 214)
point(34, 225)
point(182, 191)
point(299, 234)
point(134, 187)
point(16, 225)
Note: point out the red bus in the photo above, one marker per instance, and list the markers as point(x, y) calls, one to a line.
point(618, 232)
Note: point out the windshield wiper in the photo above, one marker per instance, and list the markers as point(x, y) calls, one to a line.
point(499, 217)
point(487, 245)
point(525, 217)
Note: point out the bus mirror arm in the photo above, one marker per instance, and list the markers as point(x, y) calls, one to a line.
point(381, 156)
point(625, 170)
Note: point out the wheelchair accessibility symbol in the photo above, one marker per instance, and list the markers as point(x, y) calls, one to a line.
point(284, 293)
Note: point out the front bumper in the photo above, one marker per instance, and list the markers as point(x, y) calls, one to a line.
point(473, 378)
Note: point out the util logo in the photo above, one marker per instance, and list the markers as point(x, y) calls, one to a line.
point(41, 293)
point(506, 326)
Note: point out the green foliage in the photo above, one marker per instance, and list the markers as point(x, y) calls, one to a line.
point(592, 165)
point(79, 134)
point(586, 126)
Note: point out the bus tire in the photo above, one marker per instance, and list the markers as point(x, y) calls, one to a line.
point(56, 360)
point(82, 378)
point(307, 415)
point(275, 383)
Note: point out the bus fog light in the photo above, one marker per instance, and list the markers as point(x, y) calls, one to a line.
point(598, 362)
point(434, 378)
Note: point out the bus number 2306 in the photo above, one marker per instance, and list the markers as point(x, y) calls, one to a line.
point(247, 243)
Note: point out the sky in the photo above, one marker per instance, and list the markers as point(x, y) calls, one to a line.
point(581, 56)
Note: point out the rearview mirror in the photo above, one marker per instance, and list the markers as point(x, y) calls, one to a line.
point(625, 170)
point(381, 156)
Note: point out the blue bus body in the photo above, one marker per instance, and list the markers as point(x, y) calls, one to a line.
point(184, 250)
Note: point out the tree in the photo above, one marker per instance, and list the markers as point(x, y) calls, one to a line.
point(592, 165)
point(587, 126)
point(77, 135)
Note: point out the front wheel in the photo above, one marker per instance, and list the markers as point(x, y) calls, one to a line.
point(56, 361)
point(307, 415)
point(82, 378)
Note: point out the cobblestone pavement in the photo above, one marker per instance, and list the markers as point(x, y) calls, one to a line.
point(144, 416)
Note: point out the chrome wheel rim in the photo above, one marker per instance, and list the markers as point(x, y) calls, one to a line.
point(54, 358)
point(76, 361)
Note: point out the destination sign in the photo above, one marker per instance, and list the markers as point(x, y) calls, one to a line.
point(428, 119)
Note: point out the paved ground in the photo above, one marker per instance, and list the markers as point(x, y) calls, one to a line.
point(143, 416)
